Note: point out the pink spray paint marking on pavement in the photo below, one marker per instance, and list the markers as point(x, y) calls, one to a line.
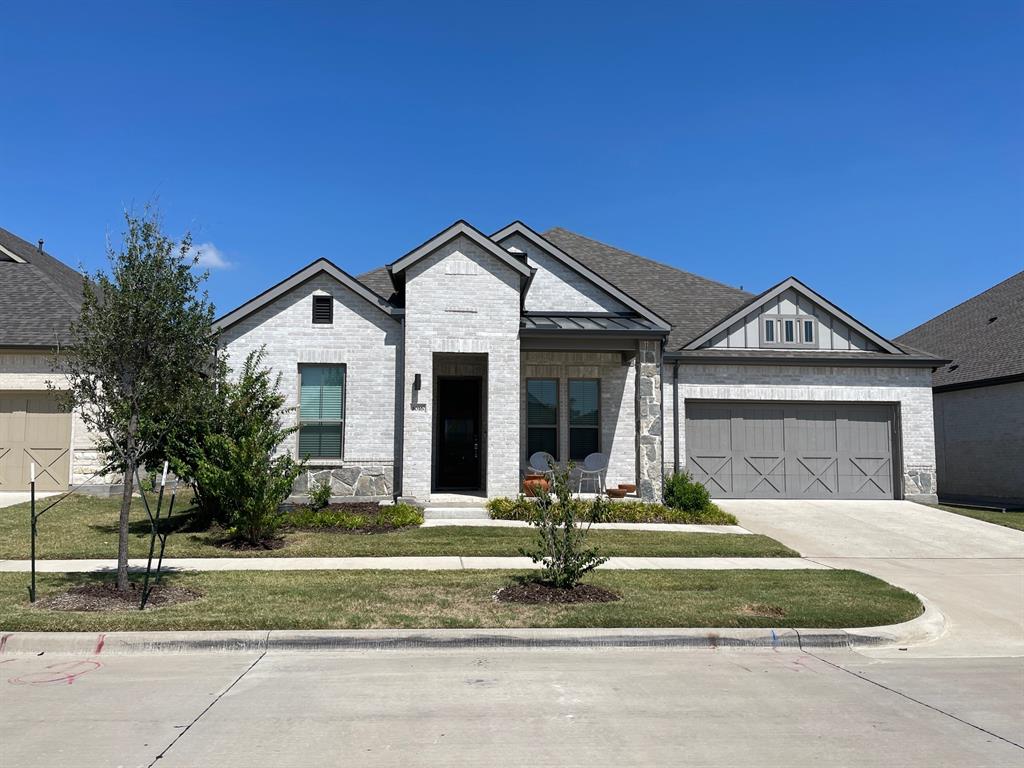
point(66, 672)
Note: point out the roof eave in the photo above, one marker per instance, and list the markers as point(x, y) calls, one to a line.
point(295, 280)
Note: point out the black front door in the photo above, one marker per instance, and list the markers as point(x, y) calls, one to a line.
point(458, 433)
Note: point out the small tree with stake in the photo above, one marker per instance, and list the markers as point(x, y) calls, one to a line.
point(562, 524)
point(140, 351)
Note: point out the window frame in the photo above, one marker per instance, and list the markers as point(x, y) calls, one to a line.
point(300, 422)
point(805, 323)
point(799, 324)
point(570, 427)
point(330, 309)
point(558, 416)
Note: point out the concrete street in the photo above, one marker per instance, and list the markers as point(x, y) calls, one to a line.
point(487, 707)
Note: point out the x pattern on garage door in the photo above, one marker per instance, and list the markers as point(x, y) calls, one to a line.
point(802, 451)
point(33, 431)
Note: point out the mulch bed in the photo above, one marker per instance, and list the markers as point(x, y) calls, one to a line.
point(106, 597)
point(538, 593)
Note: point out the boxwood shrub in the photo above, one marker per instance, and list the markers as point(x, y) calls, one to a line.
point(522, 508)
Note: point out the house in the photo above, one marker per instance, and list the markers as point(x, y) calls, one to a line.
point(446, 369)
point(979, 395)
point(39, 298)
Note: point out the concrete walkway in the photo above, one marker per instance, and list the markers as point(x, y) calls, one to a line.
point(442, 563)
point(10, 498)
point(973, 571)
point(666, 527)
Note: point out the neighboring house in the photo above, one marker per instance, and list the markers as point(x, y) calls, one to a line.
point(446, 369)
point(39, 298)
point(979, 395)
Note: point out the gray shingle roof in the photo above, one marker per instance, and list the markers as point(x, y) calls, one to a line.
point(691, 303)
point(379, 281)
point(38, 299)
point(978, 346)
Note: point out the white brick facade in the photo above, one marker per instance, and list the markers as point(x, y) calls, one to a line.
point(363, 339)
point(458, 300)
point(557, 288)
point(908, 388)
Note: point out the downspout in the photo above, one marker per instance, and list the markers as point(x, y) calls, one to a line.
point(675, 416)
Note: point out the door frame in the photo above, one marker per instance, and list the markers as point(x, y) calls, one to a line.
point(435, 463)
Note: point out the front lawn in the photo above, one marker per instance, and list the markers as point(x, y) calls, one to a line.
point(419, 599)
point(1007, 519)
point(86, 527)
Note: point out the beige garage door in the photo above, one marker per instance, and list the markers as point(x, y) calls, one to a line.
point(32, 429)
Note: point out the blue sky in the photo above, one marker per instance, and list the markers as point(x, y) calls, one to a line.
point(875, 150)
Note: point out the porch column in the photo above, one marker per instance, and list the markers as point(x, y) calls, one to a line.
point(649, 443)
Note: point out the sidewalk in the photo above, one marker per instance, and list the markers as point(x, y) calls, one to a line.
point(443, 563)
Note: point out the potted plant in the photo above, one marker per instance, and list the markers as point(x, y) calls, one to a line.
point(535, 484)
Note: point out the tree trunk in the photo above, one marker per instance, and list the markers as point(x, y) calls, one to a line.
point(122, 528)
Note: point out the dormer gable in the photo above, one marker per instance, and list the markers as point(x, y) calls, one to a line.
point(790, 316)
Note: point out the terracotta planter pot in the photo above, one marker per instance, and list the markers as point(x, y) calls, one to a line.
point(616, 493)
point(534, 485)
point(628, 487)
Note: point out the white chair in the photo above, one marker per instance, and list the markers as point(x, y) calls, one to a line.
point(594, 467)
point(542, 463)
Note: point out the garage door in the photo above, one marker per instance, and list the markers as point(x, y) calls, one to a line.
point(32, 429)
point(791, 451)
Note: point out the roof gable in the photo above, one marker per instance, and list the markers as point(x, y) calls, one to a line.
point(518, 229)
point(320, 266)
point(445, 236)
point(791, 287)
point(983, 337)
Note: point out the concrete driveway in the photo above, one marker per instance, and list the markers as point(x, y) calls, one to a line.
point(973, 571)
point(10, 498)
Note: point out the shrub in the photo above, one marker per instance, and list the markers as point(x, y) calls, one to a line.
point(617, 512)
point(237, 467)
point(560, 546)
point(642, 512)
point(319, 494)
point(685, 493)
point(519, 508)
point(391, 516)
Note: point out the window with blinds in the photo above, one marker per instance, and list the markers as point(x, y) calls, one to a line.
point(321, 411)
point(584, 418)
point(542, 416)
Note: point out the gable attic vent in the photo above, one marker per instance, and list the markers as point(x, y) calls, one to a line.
point(323, 310)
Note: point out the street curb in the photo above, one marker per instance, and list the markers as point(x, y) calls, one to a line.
point(925, 628)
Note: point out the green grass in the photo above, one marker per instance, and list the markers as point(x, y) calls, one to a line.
point(84, 526)
point(380, 599)
point(1006, 519)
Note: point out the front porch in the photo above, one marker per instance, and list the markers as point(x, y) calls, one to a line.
point(602, 397)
